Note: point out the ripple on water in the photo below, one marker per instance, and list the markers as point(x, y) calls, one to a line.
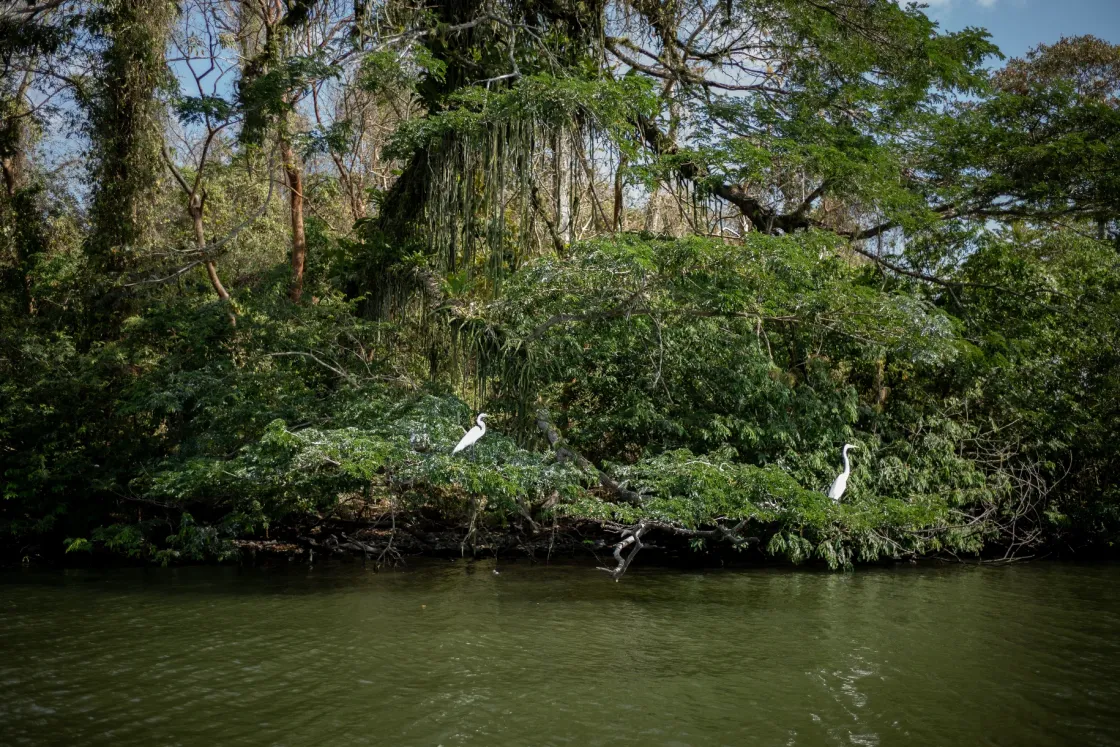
point(452, 654)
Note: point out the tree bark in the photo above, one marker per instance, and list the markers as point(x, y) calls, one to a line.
point(299, 237)
point(196, 201)
point(562, 186)
point(618, 206)
point(194, 207)
point(14, 168)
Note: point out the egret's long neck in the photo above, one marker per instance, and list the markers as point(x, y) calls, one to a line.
point(481, 424)
point(844, 455)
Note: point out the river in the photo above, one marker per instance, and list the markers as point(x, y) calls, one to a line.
point(451, 653)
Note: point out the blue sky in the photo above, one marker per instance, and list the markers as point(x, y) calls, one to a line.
point(1018, 25)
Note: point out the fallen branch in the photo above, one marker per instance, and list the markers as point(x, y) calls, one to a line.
point(633, 536)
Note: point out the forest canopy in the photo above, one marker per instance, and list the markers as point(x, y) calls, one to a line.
point(262, 261)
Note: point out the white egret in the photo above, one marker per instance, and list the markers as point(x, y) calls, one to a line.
point(472, 435)
point(841, 483)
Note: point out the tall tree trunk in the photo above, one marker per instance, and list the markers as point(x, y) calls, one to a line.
point(265, 44)
point(295, 202)
point(616, 223)
point(13, 166)
point(13, 131)
point(353, 190)
point(15, 141)
point(562, 185)
point(346, 178)
point(196, 202)
point(125, 125)
point(195, 210)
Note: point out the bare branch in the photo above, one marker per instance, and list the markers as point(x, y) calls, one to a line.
point(334, 369)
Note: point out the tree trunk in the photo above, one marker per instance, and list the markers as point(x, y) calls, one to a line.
point(653, 212)
point(125, 121)
point(562, 186)
point(14, 167)
point(617, 220)
point(299, 238)
point(353, 191)
point(195, 210)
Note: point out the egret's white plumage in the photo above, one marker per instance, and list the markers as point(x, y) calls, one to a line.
point(472, 435)
point(841, 482)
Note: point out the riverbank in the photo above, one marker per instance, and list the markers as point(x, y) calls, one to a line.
point(401, 540)
point(408, 538)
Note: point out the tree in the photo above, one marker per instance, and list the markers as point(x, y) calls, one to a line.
point(203, 107)
point(32, 41)
point(125, 123)
point(1043, 147)
point(680, 251)
point(294, 50)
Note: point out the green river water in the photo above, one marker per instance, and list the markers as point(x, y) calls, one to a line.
point(450, 653)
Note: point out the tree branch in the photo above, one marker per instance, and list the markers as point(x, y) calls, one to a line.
point(633, 536)
point(564, 453)
point(208, 252)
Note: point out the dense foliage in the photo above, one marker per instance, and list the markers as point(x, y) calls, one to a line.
point(680, 252)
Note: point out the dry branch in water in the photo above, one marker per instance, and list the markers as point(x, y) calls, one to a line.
point(632, 535)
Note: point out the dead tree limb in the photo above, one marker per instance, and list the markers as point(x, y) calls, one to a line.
point(632, 535)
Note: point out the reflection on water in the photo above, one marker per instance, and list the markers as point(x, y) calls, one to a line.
point(451, 654)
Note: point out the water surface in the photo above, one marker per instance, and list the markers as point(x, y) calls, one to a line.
point(446, 653)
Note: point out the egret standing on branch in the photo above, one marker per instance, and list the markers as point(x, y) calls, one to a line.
point(472, 435)
point(841, 483)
